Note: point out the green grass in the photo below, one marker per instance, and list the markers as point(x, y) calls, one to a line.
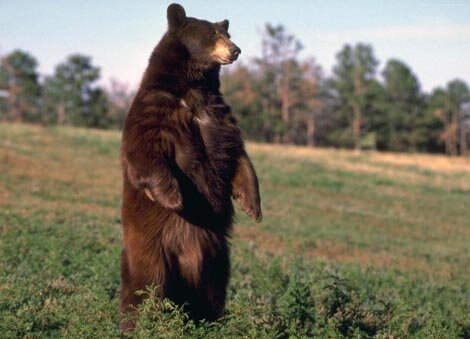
point(351, 245)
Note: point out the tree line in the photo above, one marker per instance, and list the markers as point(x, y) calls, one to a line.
point(70, 96)
point(277, 97)
point(280, 98)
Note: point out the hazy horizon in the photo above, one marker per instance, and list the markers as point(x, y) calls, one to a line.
point(432, 37)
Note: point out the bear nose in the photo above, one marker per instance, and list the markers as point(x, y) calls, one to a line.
point(235, 51)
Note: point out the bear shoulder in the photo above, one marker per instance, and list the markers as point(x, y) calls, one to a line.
point(156, 118)
point(157, 109)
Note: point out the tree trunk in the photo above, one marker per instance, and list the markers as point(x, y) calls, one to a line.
point(446, 137)
point(13, 107)
point(356, 122)
point(463, 141)
point(463, 135)
point(454, 134)
point(285, 104)
point(14, 113)
point(356, 126)
point(61, 114)
point(311, 130)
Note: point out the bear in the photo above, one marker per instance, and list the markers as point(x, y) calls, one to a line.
point(183, 160)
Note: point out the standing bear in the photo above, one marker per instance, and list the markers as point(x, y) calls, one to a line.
point(183, 160)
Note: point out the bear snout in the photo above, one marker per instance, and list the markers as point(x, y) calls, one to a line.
point(235, 51)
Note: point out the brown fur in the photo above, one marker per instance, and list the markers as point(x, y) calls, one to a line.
point(183, 158)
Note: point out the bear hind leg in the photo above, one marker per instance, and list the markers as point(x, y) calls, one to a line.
point(207, 301)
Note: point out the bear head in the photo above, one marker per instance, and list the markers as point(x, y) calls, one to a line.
point(207, 43)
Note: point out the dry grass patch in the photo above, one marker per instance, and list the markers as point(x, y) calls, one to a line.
point(337, 252)
point(432, 170)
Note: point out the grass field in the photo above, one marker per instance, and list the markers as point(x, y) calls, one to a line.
point(351, 245)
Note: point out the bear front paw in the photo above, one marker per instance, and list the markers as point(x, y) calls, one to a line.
point(170, 200)
point(255, 213)
point(252, 207)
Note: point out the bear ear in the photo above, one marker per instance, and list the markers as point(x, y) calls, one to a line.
point(176, 15)
point(224, 24)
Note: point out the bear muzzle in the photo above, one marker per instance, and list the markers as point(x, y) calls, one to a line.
point(225, 52)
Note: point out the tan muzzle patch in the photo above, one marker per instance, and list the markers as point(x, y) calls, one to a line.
point(221, 52)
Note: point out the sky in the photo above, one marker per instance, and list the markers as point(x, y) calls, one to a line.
point(432, 37)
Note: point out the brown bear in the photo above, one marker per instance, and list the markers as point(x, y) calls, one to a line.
point(183, 159)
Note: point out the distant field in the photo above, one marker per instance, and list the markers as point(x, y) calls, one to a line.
point(351, 245)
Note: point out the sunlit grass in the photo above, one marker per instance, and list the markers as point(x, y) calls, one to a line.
point(392, 229)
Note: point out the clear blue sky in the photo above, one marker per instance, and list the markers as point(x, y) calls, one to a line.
point(433, 37)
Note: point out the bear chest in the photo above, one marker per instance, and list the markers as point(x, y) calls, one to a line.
point(215, 137)
point(219, 136)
